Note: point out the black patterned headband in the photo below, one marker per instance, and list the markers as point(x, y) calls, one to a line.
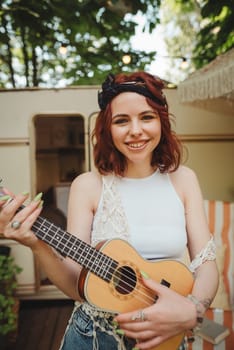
point(110, 89)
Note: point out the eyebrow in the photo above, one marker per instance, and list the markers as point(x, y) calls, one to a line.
point(142, 113)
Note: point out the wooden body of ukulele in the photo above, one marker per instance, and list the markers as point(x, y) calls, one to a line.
point(124, 290)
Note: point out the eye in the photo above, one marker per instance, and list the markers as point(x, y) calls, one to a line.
point(120, 120)
point(149, 116)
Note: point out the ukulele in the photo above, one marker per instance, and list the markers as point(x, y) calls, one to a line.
point(111, 278)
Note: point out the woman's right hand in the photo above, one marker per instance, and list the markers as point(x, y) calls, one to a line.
point(17, 225)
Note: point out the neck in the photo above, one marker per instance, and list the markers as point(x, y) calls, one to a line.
point(140, 171)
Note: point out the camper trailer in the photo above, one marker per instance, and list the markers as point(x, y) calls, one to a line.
point(45, 142)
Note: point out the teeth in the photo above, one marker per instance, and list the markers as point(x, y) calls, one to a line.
point(136, 145)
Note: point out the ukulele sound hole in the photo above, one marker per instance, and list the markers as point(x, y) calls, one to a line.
point(125, 280)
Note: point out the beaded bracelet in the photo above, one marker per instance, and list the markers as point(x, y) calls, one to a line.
point(200, 308)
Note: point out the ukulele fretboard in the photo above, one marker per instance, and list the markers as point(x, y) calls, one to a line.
point(68, 245)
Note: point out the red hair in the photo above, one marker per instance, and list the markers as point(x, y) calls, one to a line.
point(166, 156)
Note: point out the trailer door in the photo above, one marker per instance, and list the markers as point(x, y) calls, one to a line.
point(91, 124)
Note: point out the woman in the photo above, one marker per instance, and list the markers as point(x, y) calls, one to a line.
point(139, 193)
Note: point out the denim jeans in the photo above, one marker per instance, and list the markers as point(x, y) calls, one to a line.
point(83, 333)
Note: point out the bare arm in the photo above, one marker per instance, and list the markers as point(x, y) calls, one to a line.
point(63, 272)
point(198, 236)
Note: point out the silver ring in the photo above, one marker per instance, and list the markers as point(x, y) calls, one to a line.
point(15, 224)
point(139, 316)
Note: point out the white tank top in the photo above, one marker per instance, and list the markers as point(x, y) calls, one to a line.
point(147, 212)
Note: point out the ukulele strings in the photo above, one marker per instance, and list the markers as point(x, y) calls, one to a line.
point(142, 295)
point(129, 277)
point(131, 281)
point(40, 222)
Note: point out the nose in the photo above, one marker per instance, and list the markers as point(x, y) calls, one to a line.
point(135, 128)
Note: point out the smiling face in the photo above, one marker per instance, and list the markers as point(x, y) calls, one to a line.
point(135, 129)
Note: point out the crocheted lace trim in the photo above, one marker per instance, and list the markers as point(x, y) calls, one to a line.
point(110, 220)
point(101, 320)
point(207, 253)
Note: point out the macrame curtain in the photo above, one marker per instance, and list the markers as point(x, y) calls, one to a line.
point(212, 81)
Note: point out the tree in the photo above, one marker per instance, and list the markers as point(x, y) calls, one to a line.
point(196, 32)
point(217, 30)
point(181, 23)
point(55, 42)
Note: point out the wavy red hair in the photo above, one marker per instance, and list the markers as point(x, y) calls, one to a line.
point(166, 156)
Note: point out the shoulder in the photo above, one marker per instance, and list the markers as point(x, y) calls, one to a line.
point(183, 173)
point(185, 182)
point(87, 180)
point(87, 187)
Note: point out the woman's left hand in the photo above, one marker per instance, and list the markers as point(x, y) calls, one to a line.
point(170, 315)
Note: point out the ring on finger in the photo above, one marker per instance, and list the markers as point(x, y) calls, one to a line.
point(15, 224)
point(140, 315)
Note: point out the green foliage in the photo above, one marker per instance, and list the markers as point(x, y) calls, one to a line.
point(216, 33)
point(8, 284)
point(94, 34)
point(196, 30)
point(7, 316)
point(217, 30)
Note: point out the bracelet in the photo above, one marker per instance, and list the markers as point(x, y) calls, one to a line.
point(200, 312)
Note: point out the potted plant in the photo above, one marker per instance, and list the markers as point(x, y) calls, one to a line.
point(9, 304)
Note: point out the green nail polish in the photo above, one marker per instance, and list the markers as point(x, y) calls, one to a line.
point(25, 193)
point(119, 331)
point(115, 323)
point(135, 349)
point(144, 275)
point(41, 204)
point(38, 197)
point(5, 198)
